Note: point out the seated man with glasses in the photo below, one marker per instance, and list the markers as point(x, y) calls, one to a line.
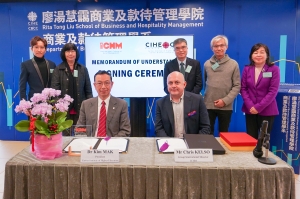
point(222, 77)
point(107, 114)
point(190, 68)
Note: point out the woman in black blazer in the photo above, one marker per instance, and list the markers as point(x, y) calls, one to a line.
point(73, 79)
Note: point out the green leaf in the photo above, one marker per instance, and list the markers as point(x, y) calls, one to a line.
point(65, 125)
point(22, 126)
point(61, 120)
point(60, 115)
point(41, 125)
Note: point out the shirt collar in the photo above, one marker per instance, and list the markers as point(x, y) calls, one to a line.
point(184, 61)
point(100, 101)
point(180, 99)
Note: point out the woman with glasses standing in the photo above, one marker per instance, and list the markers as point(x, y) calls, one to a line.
point(73, 79)
point(260, 84)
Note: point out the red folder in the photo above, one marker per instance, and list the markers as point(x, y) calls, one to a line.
point(238, 139)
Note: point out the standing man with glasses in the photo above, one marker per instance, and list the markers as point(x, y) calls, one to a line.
point(107, 114)
point(190, 68)
point(223, 84)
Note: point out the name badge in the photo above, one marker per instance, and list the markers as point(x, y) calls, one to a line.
point(267, 74)
point(51, 70)
point(193, 155)
point(215, 66)
point(75, 74)
point(188, 69)
point(103, 155)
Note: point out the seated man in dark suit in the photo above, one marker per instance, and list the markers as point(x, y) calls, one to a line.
point(190, 68)
point(180, 112)
point(107, 114)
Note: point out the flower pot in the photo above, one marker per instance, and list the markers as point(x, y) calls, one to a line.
point(48, 148)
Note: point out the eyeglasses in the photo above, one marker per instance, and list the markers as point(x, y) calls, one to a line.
point(180, 48)
point(70, 51)
point(107, 83)
point(221, 46)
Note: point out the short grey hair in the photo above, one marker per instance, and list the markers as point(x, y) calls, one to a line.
point(178, 41)
point(217, 38)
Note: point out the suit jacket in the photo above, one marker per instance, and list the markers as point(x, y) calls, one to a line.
point(117, 120)
point(31, 75)
point(197, 123)
point(193, 78)
point(262, 94)
point(60, 81)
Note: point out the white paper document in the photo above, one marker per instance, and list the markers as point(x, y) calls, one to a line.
point(81, 144)
point(114, 143)
point(174, 143)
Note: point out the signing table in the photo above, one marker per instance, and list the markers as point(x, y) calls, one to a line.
point(144, 173)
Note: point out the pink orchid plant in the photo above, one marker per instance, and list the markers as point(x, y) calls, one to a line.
point(47, 113)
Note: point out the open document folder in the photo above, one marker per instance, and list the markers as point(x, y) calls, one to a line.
point(79, 144)
point(173, 143)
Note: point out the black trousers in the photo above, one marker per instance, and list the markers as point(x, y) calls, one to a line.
point(224, 117)
point(254, 121)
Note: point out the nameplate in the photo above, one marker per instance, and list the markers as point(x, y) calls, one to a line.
point(100, 155)
point(193, 155)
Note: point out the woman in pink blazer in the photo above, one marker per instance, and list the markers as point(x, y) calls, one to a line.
point(259, 87)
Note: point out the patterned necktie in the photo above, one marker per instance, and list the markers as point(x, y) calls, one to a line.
point(182, 70)
point(102, 121)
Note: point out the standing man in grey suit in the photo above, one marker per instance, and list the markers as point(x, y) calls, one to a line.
point(115, 111)
point(190, 68)
point(180, 112)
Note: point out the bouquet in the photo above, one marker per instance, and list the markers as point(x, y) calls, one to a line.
point(47, 113)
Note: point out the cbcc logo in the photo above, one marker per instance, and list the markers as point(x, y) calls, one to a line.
point(32, 16)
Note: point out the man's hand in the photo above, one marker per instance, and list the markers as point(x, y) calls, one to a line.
point(219, 103)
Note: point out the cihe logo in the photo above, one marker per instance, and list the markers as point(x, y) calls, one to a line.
point(110, 45)
point(32, 23)
point(165, 44)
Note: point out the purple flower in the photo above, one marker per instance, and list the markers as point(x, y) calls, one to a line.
point(42, 109)
point(62, 106)
point(50, 92)
point(38, 97)
point(23, 106)
point(68, 98)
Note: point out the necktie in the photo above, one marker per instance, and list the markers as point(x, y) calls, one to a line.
point(102, 121)
point(182, 70)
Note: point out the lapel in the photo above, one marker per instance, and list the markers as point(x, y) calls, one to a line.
point(39, 72)
point(187, 63)
point(63, 67)
point(113, 104)
point(175, 65)
point(187, 104)
point(94, 111)
point(48, 69)
point(170, 113)
point(260, 77)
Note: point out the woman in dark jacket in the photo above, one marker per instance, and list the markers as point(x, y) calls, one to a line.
point(73, 79)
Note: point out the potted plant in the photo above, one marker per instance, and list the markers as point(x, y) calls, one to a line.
point(47, 119)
